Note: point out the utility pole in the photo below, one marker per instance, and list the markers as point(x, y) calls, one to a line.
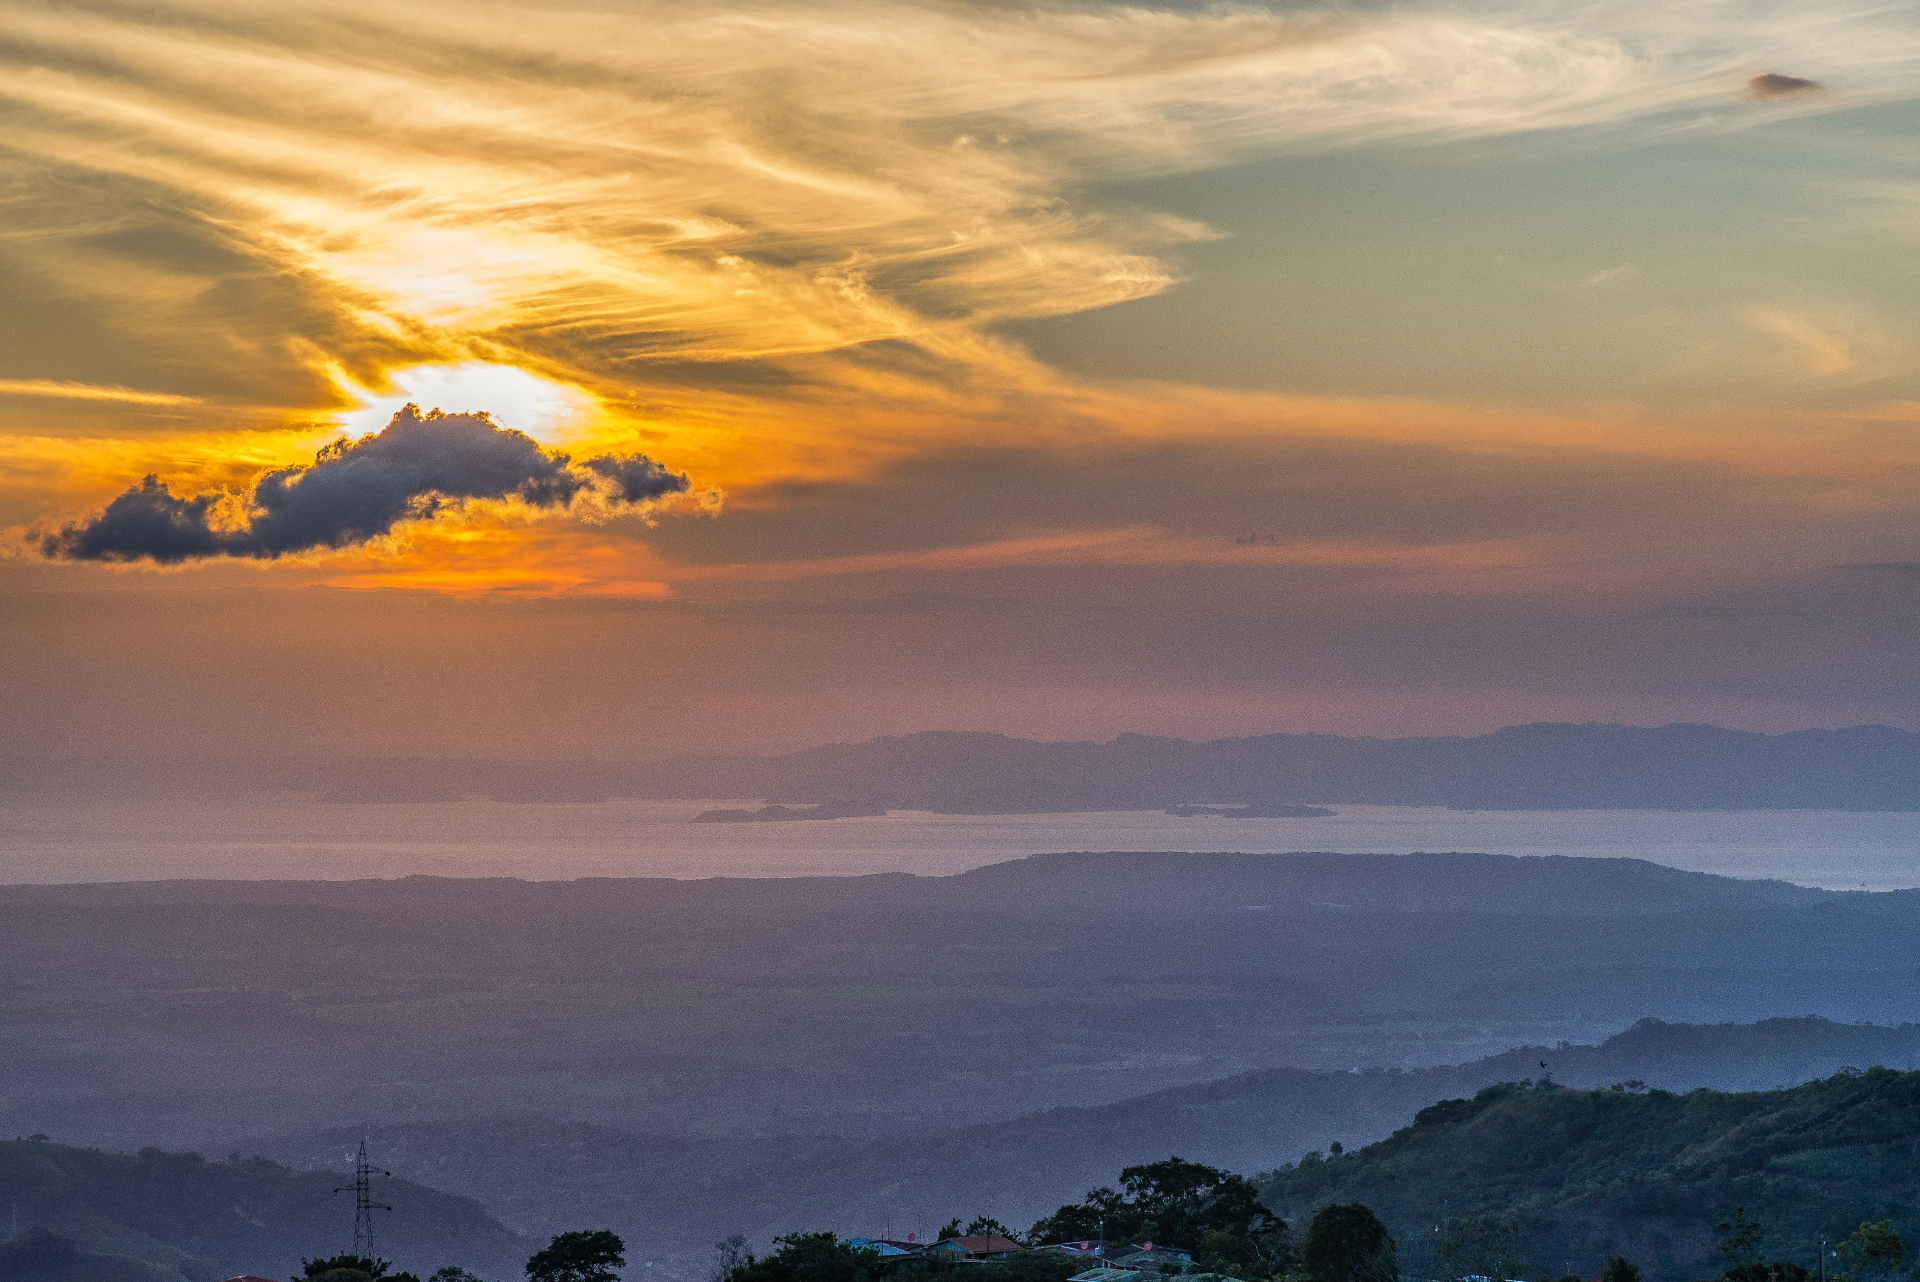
point(363, 1204)
point(1823, 1258)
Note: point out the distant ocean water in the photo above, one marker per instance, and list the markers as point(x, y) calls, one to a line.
point(139, 841)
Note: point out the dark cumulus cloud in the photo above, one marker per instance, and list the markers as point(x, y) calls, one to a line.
point(354, 491)
point(1774, 85)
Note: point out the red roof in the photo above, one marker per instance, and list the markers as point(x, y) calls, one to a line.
point(247, 1277)
point(988, 1244)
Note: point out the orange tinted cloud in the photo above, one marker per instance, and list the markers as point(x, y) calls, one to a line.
point(542, 562)
point(60, 390)
point(772, 241)
point(1139, 547)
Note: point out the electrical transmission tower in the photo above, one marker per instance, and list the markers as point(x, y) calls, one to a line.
point(363, 1204)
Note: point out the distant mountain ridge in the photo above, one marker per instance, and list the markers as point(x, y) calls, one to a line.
point(1547, 766)
point(1534, 767)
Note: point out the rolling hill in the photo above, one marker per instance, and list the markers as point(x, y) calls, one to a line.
point(176, 1013)
point(176, 1217)
point(674, 1195)
point(1545, 1179)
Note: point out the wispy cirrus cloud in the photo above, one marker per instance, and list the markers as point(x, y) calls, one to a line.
point(1141, 547)
point(61, 390)
point(651, 182)
point(1831, 347)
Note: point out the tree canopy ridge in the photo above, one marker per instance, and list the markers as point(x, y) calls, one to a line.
point(1586, 1174)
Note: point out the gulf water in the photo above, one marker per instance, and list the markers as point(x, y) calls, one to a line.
point(303, 839)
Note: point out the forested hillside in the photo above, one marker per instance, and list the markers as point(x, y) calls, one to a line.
point(177, 1217)
point(1545, 1180)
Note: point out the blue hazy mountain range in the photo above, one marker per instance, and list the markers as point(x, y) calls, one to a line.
point(1533, 767)
point(158, 1216)
point(679, 1193)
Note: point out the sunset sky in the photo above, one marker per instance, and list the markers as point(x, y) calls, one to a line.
point(1055, 369)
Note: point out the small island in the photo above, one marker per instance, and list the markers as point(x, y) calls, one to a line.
point(787, 814)
point(1256, 810)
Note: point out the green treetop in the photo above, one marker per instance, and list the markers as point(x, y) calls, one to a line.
point(347, 1267)
point(1872, 1253)
point(1214, 1213)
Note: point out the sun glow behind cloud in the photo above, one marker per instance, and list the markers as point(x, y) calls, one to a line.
point(550, 412)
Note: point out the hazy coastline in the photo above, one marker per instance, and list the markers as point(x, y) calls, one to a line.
point(143, 840)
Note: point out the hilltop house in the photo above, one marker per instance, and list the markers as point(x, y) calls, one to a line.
point(887, 1249)
point(976, 1248)
point(1090, 1248)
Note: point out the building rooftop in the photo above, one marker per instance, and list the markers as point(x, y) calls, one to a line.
point(986, 1244)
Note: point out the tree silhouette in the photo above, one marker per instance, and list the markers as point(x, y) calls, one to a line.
point(347, 1267)
point(812, 1257)
point(1620, 1269)
point(584, 1255)
point(1178, 1203)
point(1739, 1239)
point(1348, 1243)
point(1873, 1251)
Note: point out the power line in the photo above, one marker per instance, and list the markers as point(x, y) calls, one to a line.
point(363, 1204)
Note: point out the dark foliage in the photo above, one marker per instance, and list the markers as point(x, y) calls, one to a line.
point(811, 1257)
point(36, 1252)
point(1872, 1251)
point(584, 1255)
point(822, 1257)
point(1178, 1203)
point(344, 1263)
point(1480, 1246)
point(1739, 1239)
point(981, 1225)
point(347, 1267)
point(1348, 1243)
point(39, 1255)
point(1620, 1269)
point(1684, 1185)
point(1781, 1271)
